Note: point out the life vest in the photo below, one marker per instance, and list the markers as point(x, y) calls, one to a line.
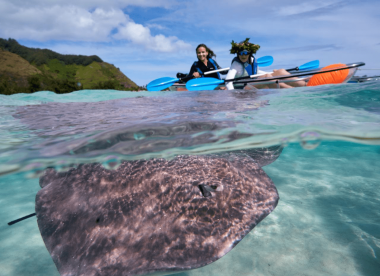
point(250, 69)
point(212, 62)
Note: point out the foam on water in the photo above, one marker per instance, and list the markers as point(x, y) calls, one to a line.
point(326, 223)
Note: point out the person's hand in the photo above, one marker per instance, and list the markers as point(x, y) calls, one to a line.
point(196, 75)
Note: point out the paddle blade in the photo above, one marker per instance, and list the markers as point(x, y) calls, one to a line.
point(160, 84)
point(203, 84)
point(310, 65)
point(264, 61)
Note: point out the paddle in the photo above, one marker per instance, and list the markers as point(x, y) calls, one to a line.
point(211, 83)
point(264, 61)
point(161, 83)
point(214, 71)
point(307, 66)
point(165, 82)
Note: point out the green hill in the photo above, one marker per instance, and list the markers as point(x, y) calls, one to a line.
point(42, 56)
point(26, 70)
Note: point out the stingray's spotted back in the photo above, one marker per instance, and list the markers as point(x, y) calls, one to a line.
point(151, 216)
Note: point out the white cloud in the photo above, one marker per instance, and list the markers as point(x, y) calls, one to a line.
point(75, 23)
point(156, 26)
point(61, 23)
point(139, 34)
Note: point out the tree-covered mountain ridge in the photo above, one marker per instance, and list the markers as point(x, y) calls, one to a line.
point(26, 70)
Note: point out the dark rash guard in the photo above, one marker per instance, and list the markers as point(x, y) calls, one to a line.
point(204, 68)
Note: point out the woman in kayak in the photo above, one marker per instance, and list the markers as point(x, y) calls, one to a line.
point(204, 64)
point(244, 64)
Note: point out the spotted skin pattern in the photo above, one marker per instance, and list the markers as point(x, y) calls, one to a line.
point(150, 216)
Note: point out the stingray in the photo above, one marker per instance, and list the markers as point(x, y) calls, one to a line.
point(153, 216)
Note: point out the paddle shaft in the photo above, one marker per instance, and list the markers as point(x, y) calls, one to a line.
point(214, 71)
point(205, 73)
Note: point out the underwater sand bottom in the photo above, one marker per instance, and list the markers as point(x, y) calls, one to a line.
point(326, 223)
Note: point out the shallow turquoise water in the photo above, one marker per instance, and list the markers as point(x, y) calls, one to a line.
point(327, 221)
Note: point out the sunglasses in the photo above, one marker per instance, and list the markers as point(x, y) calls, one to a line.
point(244, 53)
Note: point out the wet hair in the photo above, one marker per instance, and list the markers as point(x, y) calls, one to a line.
point(210, 52)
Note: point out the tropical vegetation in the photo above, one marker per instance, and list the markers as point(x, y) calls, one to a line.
point(27, 70)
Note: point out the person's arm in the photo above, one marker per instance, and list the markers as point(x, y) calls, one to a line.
point(230, 75)
point(190, 75)
point(192, 70)
point(236, 70)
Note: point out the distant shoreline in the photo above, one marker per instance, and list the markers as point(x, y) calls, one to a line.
point(28, 70)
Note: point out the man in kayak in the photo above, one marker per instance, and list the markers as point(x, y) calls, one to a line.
point(244, 64)
point(204, 64)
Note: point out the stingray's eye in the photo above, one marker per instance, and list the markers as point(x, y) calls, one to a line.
point(206, 189)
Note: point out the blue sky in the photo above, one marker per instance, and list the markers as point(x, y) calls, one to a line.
point(149, 39)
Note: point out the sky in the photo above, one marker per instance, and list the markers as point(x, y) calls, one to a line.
point(149, 39)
